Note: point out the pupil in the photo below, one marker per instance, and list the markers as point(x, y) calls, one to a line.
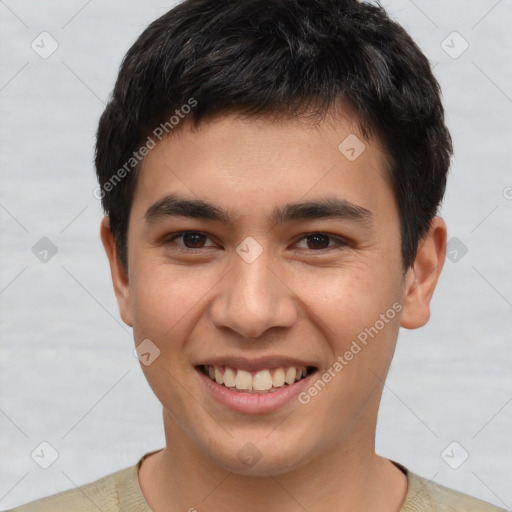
point(319, 240)
point(194, 239)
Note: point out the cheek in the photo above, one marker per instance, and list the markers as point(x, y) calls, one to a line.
point(360, 310)
point(164, 296)
point(349, 298)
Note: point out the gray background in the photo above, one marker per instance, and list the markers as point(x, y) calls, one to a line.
point(67, 372)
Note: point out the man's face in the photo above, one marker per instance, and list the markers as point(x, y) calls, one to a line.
point(264, 281)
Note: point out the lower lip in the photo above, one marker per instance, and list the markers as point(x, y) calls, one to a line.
point(252, 403)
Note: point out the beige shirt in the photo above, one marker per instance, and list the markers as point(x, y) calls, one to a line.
point(120, 492)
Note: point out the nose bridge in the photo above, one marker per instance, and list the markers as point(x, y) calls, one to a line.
point(253, 299)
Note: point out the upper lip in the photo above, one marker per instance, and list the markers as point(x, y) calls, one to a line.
point(258, 363)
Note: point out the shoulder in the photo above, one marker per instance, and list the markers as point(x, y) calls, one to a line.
point(106, 494)
point(425, 495)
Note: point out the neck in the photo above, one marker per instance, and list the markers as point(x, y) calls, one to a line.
point(182, 477)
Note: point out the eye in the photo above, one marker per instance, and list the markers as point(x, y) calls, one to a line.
point(320, 241)
point(316, 242)
point(191, 239)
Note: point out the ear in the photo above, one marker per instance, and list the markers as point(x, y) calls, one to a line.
point(421, 278)
point(119, 275)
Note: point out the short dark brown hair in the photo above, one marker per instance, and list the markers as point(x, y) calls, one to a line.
point(271, 57)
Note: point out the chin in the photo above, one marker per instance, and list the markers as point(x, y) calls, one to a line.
point(261, 456)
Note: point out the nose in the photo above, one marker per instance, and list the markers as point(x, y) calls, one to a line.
point(253, 298)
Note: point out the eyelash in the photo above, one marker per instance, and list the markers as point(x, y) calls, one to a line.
point(340, 241)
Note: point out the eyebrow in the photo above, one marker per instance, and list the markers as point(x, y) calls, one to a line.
point(174, 205)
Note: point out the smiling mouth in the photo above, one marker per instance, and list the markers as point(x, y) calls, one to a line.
point(256, 382)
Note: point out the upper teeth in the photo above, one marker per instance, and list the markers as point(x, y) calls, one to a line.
point(262, 380)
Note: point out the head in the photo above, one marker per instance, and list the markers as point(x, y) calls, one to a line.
point(303, 144)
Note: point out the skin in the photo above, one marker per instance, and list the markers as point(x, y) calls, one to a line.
point(294, 300)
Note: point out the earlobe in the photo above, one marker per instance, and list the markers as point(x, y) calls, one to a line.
point(119, 275)
point(422, 277)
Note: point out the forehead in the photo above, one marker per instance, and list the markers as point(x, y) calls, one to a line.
point(252, 165)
